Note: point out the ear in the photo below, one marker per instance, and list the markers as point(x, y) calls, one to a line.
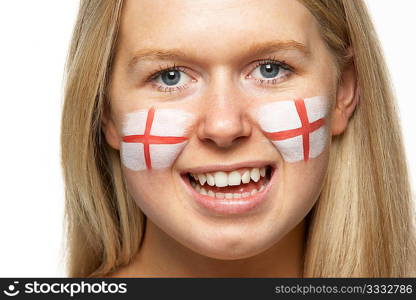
point(110, 131)
point(347, 98)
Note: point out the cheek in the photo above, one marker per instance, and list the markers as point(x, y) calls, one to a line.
point(301, 184)
point(154, 138)
point(306, 179)
point(152, 191)
point(298, 129)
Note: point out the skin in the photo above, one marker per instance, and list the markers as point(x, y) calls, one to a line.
point(222, 92)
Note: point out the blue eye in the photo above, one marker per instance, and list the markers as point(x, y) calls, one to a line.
point(269, 70)
point(171, 77)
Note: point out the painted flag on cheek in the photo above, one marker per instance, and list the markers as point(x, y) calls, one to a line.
point(153, 138)
point(297, 128)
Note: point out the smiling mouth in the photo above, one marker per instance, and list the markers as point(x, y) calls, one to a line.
point(237, 184)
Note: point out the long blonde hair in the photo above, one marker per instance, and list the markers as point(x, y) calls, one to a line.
point(362, 224)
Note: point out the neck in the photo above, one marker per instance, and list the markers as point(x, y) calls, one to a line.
point(162, 256)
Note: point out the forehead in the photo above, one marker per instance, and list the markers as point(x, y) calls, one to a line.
point(213, 28)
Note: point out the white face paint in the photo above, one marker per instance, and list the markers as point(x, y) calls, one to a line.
point(153, 138)
point(297, 128)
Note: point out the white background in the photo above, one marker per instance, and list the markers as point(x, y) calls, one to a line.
point(34, 41)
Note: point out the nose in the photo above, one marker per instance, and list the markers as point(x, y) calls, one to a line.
point(224, 120)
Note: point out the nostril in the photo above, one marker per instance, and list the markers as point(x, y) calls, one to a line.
point(224, 129)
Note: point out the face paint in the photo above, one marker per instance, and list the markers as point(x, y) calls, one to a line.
point(153, 139)
point(297, 128)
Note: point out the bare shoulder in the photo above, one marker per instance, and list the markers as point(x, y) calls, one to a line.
point(126, 271)
point(121, 273)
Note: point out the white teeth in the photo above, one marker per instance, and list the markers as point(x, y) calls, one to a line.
point(202, 179)
point(193, 184)
point(219, 195)
point(210, 193)
point(246, 177)
point(234, 178)
point(210, 179)
point(263, 172)
point(255, 174)
point(221, 179)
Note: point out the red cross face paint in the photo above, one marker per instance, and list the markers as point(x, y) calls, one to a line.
point(153, 138)
point(297, 128)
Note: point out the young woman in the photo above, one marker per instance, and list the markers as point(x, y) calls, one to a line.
point(232, 139)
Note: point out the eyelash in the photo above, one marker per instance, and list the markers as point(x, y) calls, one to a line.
point(262, 82)
point(267, 82)
point(166, 89)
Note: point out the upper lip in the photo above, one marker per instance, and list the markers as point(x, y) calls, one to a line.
point(228, 167)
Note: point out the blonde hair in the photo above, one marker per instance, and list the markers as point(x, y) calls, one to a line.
point(361, 226)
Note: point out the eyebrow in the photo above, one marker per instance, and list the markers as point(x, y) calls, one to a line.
point(275, 46)
point(155, 54)
point(254, 50)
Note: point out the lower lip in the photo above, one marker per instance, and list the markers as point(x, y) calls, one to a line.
point(230, 206)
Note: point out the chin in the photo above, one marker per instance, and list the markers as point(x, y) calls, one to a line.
point(232, 247)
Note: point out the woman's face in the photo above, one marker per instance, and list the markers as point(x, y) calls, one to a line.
point(209, 71)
